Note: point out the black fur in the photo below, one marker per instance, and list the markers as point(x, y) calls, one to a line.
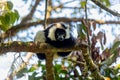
point(58, 43)
point(61, 44)
point(41, 56)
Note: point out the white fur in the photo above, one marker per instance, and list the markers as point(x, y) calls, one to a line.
point(40, 37)
point(51, 34)
point(67, 33)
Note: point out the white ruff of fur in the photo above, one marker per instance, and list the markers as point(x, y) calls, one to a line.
point(51, 33)
point(67, 33)
point(52, 30)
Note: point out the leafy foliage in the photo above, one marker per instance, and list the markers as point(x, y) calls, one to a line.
point(7, 17)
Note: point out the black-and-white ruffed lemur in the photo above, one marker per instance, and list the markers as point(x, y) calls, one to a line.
point(59, 35)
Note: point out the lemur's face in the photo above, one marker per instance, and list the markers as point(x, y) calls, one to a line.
point(59, 32)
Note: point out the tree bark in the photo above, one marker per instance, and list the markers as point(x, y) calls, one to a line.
point(49, 66)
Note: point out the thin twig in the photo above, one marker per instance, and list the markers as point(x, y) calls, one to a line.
point(61, 5)
point(31, 13)
point(86, 16)
point(78, 62)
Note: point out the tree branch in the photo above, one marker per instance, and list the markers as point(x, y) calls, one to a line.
point(91, 66)
point(30, 15)
point(18, 46)
point(49, 66)
point(24, 26)
point(105, 8)
point(49, 56)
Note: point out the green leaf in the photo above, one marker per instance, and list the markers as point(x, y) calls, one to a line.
point(111, 59)
point(57, 67)
point(39, 63)
point(16, 14)
point(82, 31)
point(32, 77)
point(84, 28)
point(13, 17)
point(83, 3)
point(32, 69)
point(9, 5)
point(107, 2)
point(21, 73)
point(114, 54)
point(43, 67)
point(5, 22)
point(5, 19)
point(115, 46)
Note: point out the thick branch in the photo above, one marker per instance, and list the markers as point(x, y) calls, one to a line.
point(105, 8)
point(32, 47)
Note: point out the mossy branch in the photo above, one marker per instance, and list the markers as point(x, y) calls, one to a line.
point(91, 66)
point(18, 46)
